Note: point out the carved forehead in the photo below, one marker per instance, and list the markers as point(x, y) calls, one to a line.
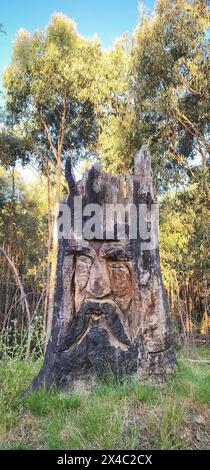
point(109, 250)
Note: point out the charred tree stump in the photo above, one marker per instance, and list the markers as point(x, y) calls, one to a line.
point(111, 309)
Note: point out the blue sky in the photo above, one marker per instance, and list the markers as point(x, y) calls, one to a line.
point(108, 18)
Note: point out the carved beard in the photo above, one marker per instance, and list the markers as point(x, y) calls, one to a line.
point(109, 318)
point(96, 342)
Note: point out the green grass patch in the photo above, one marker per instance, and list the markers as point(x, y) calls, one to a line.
point(42, 403)
point(117, 414)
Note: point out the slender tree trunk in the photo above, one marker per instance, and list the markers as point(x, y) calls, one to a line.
point(23, 298)
point(57, 152)
point(49, 242)
point(204, 165)
point(54, 251)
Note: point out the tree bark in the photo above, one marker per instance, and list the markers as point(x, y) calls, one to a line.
point(55, 214)
point(110, 310)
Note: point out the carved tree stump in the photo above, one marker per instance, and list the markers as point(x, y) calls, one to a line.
point(111, 310)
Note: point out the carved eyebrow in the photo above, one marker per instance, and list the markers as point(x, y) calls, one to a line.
point(80, 249)
point(116, 252)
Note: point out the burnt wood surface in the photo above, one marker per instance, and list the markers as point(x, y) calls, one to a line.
point(111, 309)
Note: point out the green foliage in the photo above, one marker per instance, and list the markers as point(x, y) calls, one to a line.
point(114, 108)
point(170, 86)
point(23, 224)
point(14, 147)
point(48, 87)
point(184, 232)
point(154, 91)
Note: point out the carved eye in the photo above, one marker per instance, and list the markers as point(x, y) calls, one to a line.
point(84, 260)
point(118, 265)
point(121, 278)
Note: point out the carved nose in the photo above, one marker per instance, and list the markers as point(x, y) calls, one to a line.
point(99, 284)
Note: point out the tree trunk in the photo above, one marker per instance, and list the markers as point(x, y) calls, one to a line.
point(57, 154)
point(54, 250)
point(49, 242)
point(111, 310)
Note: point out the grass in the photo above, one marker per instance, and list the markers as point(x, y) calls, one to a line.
point(131, 415)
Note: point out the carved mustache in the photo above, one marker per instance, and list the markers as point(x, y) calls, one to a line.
point(81, 321)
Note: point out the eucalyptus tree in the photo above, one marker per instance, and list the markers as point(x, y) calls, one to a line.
point(48, 88)
point(169, 81)
point(154, 90)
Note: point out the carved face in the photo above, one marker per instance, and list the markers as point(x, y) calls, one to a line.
point(99, 284)
point(103, 271)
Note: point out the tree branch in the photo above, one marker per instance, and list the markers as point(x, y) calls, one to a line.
point(49, 137)
point(190, 127)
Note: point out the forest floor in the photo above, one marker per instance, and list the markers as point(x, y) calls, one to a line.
point(132, 415)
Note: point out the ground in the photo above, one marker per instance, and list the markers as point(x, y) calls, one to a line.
point(132, 415)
